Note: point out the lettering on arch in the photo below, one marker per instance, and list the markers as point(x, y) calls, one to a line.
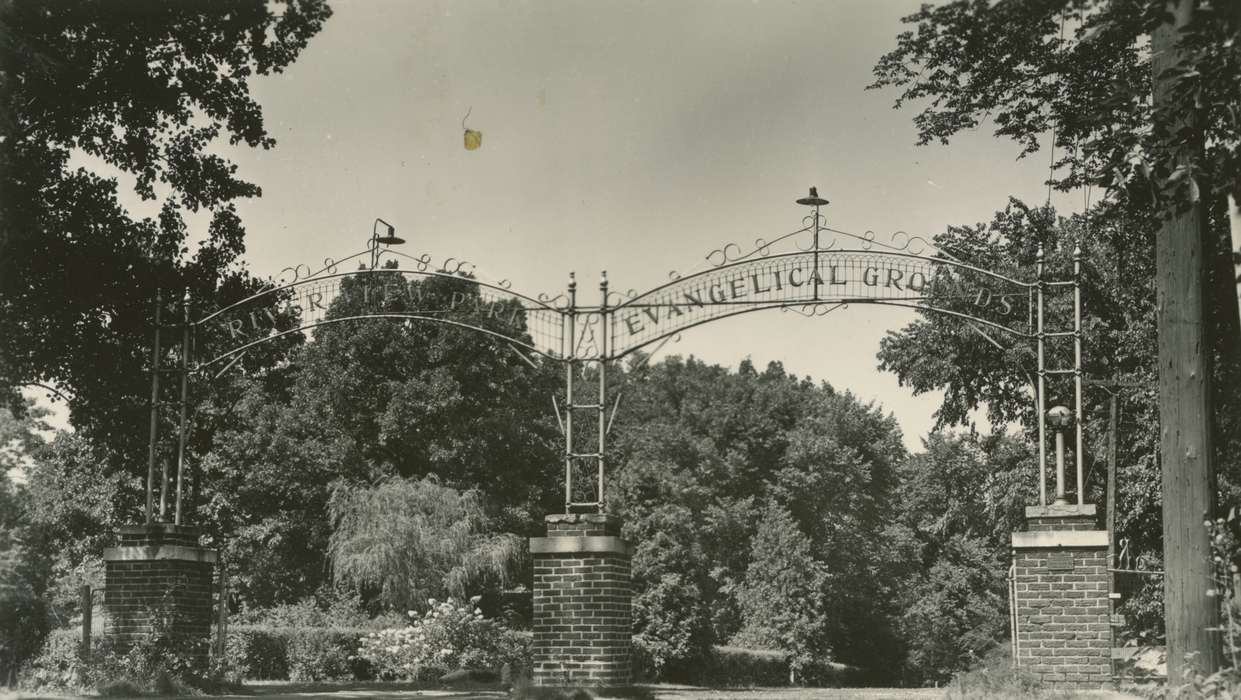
point(805, 281)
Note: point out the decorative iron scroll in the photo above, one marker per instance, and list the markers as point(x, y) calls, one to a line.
point(439, 293)
point(815, 282)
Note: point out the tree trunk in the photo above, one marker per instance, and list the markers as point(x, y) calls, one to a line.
point(1234, 225)
point(1185, 378)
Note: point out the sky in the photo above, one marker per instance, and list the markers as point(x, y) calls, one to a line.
point(632, 137)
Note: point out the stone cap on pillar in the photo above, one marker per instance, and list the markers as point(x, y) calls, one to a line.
point(158, 534)
point(1062, 516)
point(1062, 510)
point(583, 525)
point(579, 545)
point(173, 552)
point(1059, 539)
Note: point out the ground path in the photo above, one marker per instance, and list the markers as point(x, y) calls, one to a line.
point(389, 691)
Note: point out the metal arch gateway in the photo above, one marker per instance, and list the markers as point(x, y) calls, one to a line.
point(810, 271)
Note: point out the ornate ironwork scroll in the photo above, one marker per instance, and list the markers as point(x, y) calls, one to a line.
point(439, 292)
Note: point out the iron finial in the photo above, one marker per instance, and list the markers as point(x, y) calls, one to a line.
point(603, 280)
point(813, 199)
point(572, 280)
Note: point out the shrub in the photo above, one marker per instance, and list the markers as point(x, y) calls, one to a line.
point(256, 653)
point(730, 666)
point(161, 663)
point(741, 667)
point(321, 654)
point(259, 652)
point(995, 678)
point(58, 666)
point(449, 636)
point(329, 607)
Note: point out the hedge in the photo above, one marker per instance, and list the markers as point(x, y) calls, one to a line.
point(258, 652)
point(741, 667)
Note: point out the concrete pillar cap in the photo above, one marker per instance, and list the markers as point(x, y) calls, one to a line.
point(573, 518)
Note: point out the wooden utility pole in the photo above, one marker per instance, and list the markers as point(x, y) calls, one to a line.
point(1185, 372)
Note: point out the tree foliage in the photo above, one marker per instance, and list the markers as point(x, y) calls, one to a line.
point(1080, 68)
point(961, 497)
point(408, 541)
point(781, 597)
point(703, 453)
point(100, 97)
point(1119, 341)
point(23, 617)
point(409, 400)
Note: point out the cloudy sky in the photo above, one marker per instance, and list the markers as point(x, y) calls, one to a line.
point(627, 136)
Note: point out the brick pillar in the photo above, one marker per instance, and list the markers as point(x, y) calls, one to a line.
point(1063, 632)
point(582, 595)
point(159, 578)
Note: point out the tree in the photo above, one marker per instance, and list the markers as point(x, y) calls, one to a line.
point(781, 596)
point(408, 541)
point(23, 615)
point(702, 452)
point(955, 611)
point(140, 92)
point(961, 497)
point(1173, 150)
point(414, 399)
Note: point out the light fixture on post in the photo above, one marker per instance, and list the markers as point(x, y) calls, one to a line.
point(1060, 418)
point(814, 200)
point(389, 238)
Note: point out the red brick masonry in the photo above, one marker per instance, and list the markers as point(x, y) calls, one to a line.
point(1061, 579)
point(582, 596)
point(159, 570)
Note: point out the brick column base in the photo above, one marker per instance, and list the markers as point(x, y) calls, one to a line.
point(582, 596)
point(159, 581)
point(1063, 632)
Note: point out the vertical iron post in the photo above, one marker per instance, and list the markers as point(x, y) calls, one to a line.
point(603, 381)
point(87, 603)
point(150, 505)
point(1042, 391)
point(1113, 427)
point(1061, 499)
point(817, 278)
point(1012, 612)
point(222, 615)
point(1077, 369)
point(181, 428)
point(814, 200)
point(568, 399)
point(163, 490)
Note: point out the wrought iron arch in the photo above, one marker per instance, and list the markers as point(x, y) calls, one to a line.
point(811, 271)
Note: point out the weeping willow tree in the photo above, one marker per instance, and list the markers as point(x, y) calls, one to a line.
point(404, 541)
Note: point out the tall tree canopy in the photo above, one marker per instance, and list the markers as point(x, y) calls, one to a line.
point(370, 400)
point(702, 454)
point(98, 96)
point(1080, 68)
point(1142, 99)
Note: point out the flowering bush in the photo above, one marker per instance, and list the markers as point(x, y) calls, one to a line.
point(450, 635)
